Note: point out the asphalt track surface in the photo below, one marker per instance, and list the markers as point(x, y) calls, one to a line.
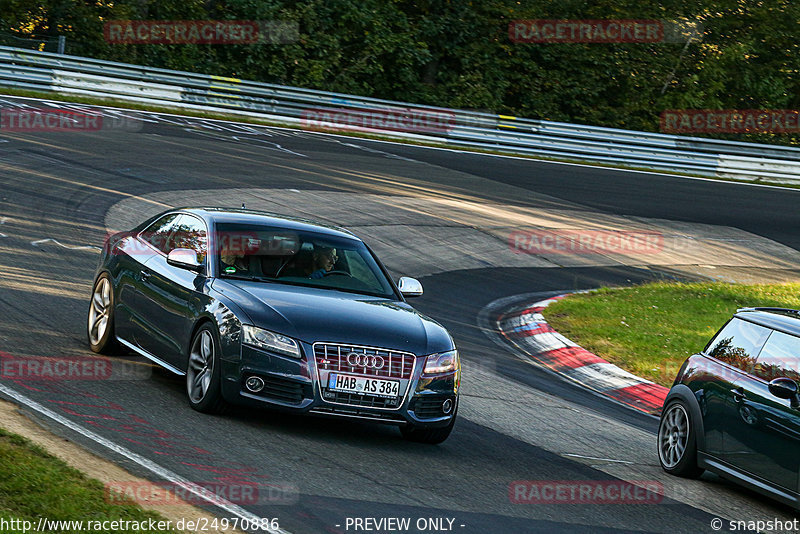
point(517, 422)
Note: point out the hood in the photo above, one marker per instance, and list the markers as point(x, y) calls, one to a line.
point(312, 314)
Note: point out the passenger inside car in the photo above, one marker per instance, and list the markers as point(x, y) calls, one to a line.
point(234, 262)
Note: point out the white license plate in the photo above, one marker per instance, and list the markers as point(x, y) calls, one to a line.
point(363, 385)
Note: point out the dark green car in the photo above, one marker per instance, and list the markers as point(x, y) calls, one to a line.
point(734, 408)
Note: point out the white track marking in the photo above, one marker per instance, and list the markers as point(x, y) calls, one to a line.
point(249, 140)
point(599, 459)
point(274, 144)
point(115, 113)
point(68, 247)
point(151, 466)
point(372, 150)
point(162, 116)
point(3, 221)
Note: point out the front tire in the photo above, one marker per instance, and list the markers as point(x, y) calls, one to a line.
point(100, 324)
point(431, 436)
point(677, 443)
point(203, 372)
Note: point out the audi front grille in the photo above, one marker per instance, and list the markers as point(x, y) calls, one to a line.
point(366, 362)
point(363, 361)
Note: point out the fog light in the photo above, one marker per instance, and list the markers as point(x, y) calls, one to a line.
point(447, 406)
point(254, 384)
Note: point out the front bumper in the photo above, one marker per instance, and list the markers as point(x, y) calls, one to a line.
point(299, 386)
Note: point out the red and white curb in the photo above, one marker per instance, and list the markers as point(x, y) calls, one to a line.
point(527, 329)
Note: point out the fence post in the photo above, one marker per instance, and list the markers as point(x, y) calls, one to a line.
point(62, 43)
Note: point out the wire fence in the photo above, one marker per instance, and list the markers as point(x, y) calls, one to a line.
point(41, 44)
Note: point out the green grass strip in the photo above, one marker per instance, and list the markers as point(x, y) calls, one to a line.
point(650, 329)
point(35, 484)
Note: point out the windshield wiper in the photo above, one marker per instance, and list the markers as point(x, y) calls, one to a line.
point(249, 278)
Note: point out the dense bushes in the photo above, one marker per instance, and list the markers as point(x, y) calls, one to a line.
point(458, 53)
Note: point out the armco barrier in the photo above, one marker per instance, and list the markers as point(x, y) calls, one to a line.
point(57, 73)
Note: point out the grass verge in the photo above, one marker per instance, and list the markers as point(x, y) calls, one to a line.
point(650, 329)
point(34, 484)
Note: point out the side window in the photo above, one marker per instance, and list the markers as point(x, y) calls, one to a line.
point(157, 234)
point(738, 344)
point(189, 232)
point(779, 357)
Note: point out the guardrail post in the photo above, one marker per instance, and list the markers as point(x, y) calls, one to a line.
point(62, 44)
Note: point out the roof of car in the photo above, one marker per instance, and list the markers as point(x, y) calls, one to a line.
point(247, 216)
point(783, 319)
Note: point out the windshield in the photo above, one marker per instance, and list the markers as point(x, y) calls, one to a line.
point(277, 255)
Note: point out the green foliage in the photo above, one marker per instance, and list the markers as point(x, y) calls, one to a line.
point(650, 329)
point(458, 53)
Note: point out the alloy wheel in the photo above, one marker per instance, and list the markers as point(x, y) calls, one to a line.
point(99, 311)
point(201, 366)
point(673, 436)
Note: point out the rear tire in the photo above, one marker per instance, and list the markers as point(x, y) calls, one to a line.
point(203, 373)
point(677, 443)
point(100, 324)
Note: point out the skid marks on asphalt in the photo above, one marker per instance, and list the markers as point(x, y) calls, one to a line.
point(249, 134)
point(388, 155)
point(248, 140)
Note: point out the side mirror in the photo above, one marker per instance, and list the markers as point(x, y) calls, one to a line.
point(785, 388)
point(409, 287)
point(184, 258)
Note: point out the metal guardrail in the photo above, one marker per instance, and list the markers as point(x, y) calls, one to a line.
point(57, 73)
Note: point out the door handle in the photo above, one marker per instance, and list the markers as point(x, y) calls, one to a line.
point(144, 276)
point(738, 394)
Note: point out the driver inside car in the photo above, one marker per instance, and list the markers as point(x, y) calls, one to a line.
point(324, 259)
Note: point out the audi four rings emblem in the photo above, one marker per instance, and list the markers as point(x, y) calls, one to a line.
point(355, 359)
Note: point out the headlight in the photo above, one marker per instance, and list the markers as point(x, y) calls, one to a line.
point(444, 362)
point(264, 339)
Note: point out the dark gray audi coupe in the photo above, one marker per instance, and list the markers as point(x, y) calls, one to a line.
point(267, 311)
